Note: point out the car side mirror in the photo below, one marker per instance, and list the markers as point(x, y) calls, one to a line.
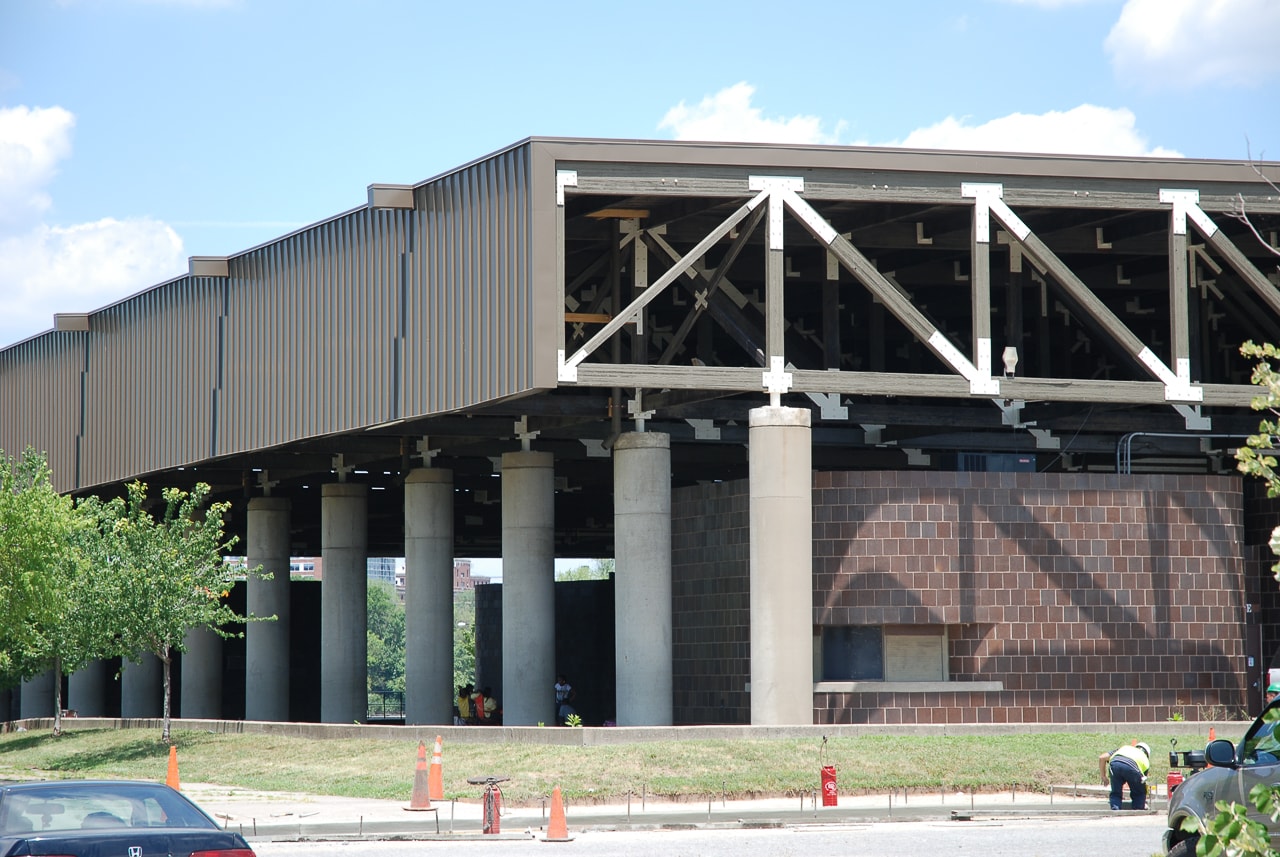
point(1221, 753)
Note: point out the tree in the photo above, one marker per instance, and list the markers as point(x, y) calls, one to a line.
point(163, 577)
point(464, 638)
point(50, 617)
point(1256, 458)
point(385, 638)
point(600, 569)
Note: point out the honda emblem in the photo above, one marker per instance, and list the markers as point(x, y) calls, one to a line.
point(135, 851)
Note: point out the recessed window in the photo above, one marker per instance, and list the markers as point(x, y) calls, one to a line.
point(884, 653)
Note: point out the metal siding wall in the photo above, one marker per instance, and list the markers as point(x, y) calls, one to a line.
point(148, 393)
point(470, 288)
point(311, 327)
point(40, 388)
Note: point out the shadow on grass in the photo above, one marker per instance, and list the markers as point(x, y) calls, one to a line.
point(72, 752)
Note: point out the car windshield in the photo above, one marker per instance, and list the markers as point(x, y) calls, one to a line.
point(72, 806)
point(1261, 745)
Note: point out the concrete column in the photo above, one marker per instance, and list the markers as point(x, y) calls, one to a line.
point(642, 578)
point(87, 690)
point(528, 589)
point(201, 691)
point(344, 511)
point(781, 488)
point(428, 596)
point(36, 699)
point(266, 644)
point(142, 688)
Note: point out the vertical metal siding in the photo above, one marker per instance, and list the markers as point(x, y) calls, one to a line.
point(311, 325)
point(41, 388)
point(151, 372)
point(469, 289)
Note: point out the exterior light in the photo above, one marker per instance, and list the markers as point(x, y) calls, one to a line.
point(1010, 358)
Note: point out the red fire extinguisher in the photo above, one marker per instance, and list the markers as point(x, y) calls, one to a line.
point(828, 785)
point(1172, 781)
point(828, 776)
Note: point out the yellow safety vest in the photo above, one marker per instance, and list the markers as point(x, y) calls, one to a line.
point(1133, 754)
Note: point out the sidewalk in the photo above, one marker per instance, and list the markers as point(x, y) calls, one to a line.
point(283, 816)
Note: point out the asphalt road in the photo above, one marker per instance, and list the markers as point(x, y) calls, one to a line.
point(1115, 835)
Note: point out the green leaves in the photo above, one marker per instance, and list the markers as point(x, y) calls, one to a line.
point(101, 579)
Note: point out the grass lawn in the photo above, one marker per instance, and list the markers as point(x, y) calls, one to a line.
point(676, 769)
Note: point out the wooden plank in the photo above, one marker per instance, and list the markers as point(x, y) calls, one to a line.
point(588, 317)
point(896, 384)
point(619, 214)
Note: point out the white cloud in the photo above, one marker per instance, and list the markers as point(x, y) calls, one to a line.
point(1054, 4)
point(46, 268)
point(1083, 130)
point(728, 116)
point(1193, 42)
point(32, 142)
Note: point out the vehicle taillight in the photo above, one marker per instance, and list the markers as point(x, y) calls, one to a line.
point(225, 852)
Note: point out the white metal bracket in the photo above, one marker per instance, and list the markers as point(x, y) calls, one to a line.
point(776, 381)
point(1186, 203)
point(1195, 420)
point(564, 179)
point(704, 429)
point(565, 372)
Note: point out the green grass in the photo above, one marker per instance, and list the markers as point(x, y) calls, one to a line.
point(678, 769)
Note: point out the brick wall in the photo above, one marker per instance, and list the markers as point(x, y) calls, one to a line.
point(1091, 598)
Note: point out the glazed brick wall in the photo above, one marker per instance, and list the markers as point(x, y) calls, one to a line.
point(711, 609)
point(1091, 597)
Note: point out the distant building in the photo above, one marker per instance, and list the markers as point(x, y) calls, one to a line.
point(463, 581)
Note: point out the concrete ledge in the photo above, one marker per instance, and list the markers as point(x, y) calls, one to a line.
point(907, 686)
point(601, 736)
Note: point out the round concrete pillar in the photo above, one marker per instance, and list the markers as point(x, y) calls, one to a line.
point(200, 695)
point(528, 588)
point(266, 644)
point(142, 688)
point(642, 578)
point(428, 596)
point(87, 690)
point(344, 603)
point(781, 497)
point(36, 698)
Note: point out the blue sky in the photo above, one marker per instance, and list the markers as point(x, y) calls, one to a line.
point(136, 133)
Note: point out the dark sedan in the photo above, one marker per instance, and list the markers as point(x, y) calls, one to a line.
point(85, 818)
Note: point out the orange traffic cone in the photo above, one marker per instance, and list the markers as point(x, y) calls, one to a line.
point(1210, 733)
point(435, 782)
point(557, 829)
point(420, 799)
point(171, 779)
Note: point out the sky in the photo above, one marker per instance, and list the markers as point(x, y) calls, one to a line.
point(137, 133)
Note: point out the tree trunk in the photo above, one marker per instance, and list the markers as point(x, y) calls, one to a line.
point(57, 696)
point(166, 658)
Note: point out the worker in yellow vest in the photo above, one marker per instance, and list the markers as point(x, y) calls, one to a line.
point(1128, 766)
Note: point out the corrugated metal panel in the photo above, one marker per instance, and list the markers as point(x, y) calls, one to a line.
point(310, 333)
point(148, 393)
point(40, 386)
point(470, 288)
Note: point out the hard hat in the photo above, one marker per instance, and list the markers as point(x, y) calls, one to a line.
point(1144, 748)
point(1274, 688)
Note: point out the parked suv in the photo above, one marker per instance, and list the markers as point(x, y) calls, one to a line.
point(1231, 774)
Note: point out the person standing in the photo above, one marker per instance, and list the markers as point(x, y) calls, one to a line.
point(1128, 766)
point(564, 699)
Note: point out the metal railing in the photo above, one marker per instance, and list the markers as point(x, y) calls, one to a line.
point(386, 705)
